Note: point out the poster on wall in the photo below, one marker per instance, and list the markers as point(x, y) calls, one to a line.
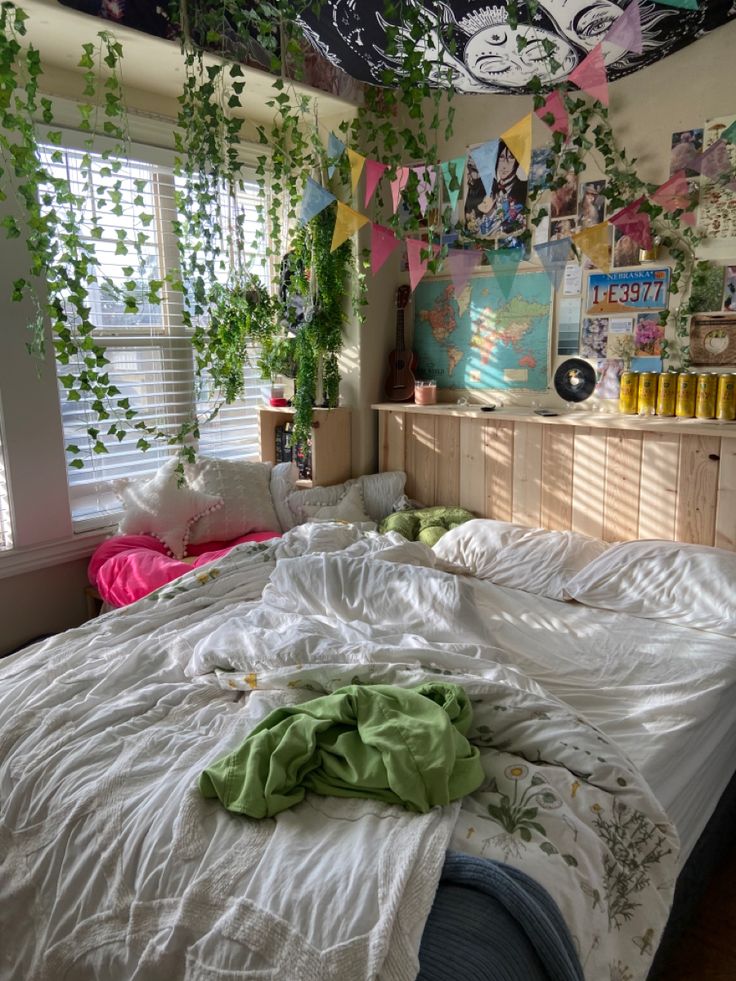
point(717, 213)
point(632, 291)
point(503, 211)
point(479, 338)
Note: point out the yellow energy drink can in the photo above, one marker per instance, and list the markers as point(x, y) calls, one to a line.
point(687, 384)
point(647, 399)
point(628, 393)
point(705, 400)
point(666, 393)
point(726, 398)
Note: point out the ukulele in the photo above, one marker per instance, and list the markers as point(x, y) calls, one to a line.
point(400, 381)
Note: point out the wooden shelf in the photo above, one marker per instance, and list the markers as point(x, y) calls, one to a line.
point(573, 417)
point(331, 441)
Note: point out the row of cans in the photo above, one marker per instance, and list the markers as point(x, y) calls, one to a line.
point(683, 394)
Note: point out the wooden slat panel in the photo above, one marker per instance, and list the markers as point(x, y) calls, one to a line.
point(472, 490)
point(623, 471)
point(499, 462)
point(557, 463)
point(589, 481)
point(391, 440)
point(448, 460)
point(725, 536)
point(527, 474)
point(697, 485)
point(421, 458)
point(660, 456)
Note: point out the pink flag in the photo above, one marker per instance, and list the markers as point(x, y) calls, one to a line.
point(674, 194)
point(426, 177)
point(461, 263)
point(374, 171)
point(553, 105)
point(714, 161)
point(398, 185)
point(383, 243)
point(590, 75)
point(417, 265)
point(634, 223)
point(625, 32)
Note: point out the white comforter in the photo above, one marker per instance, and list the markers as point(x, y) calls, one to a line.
point(115, 867)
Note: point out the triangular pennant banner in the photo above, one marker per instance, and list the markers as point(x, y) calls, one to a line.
point(485, 157)
point(688, 217)
point(461, 263)
point(674, 194)
point(714, 161)
point(383, 243)
point(634, 223)
point(626, 30)
point(590, 75)
point(426, 176)
point(452, 171)
point(357, 162)
point(595, 243)
point(554, 106)
point(729, 133)
point(315, 199)
point(418, 265)
point(681, 4)
point(347, 223)
point(398, 185)
point(553, 256)
point(505, 262)
point(335, 149)
point(374, 171)
point(518, 138)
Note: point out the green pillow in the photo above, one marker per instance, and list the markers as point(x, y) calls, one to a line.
point(426, 525)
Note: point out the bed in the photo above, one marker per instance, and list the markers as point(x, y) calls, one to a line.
point(606, 739)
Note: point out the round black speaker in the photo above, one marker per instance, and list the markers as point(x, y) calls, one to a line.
point(574, 380)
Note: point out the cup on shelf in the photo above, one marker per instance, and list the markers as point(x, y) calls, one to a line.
point(425, 392)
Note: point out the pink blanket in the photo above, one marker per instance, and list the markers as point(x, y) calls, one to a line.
point(127, 567)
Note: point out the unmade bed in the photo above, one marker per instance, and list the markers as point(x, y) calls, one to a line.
point(606, 740)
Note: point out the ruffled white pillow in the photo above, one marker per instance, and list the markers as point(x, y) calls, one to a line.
point(350, 507)
point(244, 486)
point(161, 507)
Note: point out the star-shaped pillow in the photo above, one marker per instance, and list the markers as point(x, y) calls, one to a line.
point(161, 507)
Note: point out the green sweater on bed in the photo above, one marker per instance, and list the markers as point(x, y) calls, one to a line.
point(399, 745)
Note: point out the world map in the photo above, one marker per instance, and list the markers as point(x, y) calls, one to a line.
point(481, 338)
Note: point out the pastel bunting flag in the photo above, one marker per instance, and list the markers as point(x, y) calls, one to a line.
point(461, 263)
point(553, 256)
point(714, 161)
point(426, 177)
point(554, 106)
point(398, 185)
point(595, 243)
point(625, 32)
point(357, 162)
point(452, 171)
point(590, 75)
point(383, 243)
point(374, 171)
point(505, 263)
point(335, 149)
point(484, 158)
point(681, 4)
point(518, 138)
point(315, 199)
point(674, 194)
point(418, 265)
point(729, 133)
point(347, 223)
point(634, 223)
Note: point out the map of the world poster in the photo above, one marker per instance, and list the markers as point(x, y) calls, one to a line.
point(480, 338)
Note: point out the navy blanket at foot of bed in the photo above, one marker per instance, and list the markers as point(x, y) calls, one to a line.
point(491, 922)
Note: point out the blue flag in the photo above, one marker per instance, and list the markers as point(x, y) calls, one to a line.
point(315, 199)
point(554, 256)
point(335, 149)
point(484, 158)
point(505, 262)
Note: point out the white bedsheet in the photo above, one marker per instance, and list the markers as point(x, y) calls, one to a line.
point(665, 693)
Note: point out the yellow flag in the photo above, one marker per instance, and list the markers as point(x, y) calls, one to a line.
point(518, 138)
point(357, 162)
point(346, 223)
point(595, 242)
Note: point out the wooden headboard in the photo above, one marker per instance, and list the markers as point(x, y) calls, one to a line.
point(610, 476)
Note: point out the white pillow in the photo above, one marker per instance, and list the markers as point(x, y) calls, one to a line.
point(350, 507)
point(245, 490)
point(313, 497)
point(380, 491)
point(161, 507)
point(531, 559)
point(283, 482)
point(692, 585)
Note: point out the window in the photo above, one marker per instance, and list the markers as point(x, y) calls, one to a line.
point(150, 354)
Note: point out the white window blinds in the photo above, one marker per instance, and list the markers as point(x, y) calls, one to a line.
point(151, 358)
